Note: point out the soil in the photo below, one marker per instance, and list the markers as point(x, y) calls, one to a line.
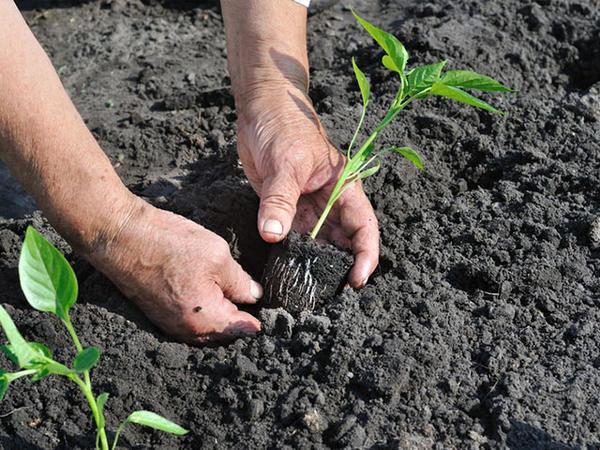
point(302, 273)
point(480, 329)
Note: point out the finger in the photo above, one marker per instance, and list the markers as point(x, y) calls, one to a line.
point(240, 324)
point(237, 285)
point(278, 199)
point(219, 319)
point(358, 221)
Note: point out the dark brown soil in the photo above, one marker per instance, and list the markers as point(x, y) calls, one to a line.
point(301, 274)
point(481, 327)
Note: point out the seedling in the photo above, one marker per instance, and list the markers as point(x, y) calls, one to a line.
point(415, 84)
point(50, 285)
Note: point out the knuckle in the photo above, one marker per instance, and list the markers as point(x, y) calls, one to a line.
point(220, 251)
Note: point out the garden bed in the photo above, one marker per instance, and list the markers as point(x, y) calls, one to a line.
point(480, 327)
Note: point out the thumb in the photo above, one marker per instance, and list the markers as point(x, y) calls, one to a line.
point(278, 199)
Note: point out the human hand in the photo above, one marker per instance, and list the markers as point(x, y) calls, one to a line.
point(293, 167)
point(181, 275)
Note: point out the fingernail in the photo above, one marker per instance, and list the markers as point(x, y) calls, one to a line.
point(246, 330)
point(256, 290)
point(364, 279)
point(272, 226)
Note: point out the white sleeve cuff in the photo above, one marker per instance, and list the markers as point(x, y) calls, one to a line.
point(303, 2)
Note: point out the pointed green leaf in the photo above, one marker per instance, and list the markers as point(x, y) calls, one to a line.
point(461, 96)
point(472, 80)
point(388, 42)
point(363, 83)
point(41, 349)
point(3, 388)
point(389, 64)
point(86, 359)
point(370, 171)
point(56, 368)
point(4, 382)
point(411, 155)
point(47, 279)
point(5, 348)
point(153, 420)
point(101, 401)
point(423, 77)
point(41, 374)
point(22, 351)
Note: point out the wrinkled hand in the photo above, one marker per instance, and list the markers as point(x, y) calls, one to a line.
point(293, 167)
point(180, 275)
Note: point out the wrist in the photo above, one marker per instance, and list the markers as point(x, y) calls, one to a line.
point(266, 46)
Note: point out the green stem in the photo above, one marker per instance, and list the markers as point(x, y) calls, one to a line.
point(360, 156)
point(22, 373)
point(358, 128)
point(86, 387)
point(79, 347)
point(89, 395)
point(122, 425)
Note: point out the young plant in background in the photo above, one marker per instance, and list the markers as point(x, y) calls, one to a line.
point(50, 285)
point(415, 84)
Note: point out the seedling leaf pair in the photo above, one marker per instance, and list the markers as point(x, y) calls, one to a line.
point(50, 285)
point(418, 83)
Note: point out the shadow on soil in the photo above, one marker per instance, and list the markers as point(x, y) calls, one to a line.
point(523, 436)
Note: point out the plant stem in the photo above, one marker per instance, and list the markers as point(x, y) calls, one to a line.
point(355, 136)
point(86, 387)
point(79, 347)
point(89, 395)
point(121, 427)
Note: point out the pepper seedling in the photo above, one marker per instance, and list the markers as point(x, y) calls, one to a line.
point(415, 84)
point(50, 285)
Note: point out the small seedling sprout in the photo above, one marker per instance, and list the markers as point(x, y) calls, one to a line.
point(50, 285)
point(415, 84)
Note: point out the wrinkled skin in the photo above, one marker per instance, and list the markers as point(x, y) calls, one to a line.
point(181, 275)
point(293, 167)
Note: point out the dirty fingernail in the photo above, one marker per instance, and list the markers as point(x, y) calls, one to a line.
point(246, 330)
point(256, 290)
point(272, 226)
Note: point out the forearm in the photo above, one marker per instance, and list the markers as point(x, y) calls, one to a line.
point(266, 45)
point(46, 145)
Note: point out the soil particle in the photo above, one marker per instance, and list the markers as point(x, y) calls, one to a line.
point(172, 355)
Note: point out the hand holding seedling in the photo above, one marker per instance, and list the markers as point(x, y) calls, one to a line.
point(284, 149)
point(50, 285)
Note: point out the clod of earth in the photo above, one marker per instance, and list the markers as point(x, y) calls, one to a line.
point(302, 273)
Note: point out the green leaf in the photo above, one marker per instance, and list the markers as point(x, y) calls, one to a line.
point(472, 80)
point(153, 420)
point(461, 96)
point(389, 43)
point(423, 77)
point(363, 83)
point(86, 359)
point(101, 401)
point(41, 349)
point(4, 382)
point(47, 279)
point(389, 64)
point(24, 353)
point(370, 171)
point(5, 348)
point(411, 155)
point(39, 375)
